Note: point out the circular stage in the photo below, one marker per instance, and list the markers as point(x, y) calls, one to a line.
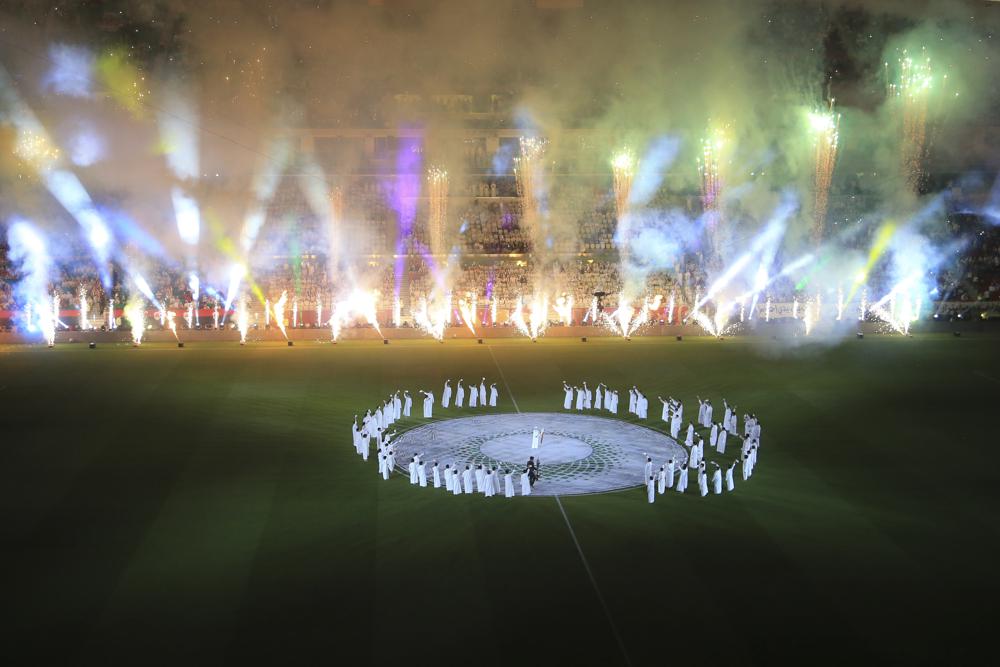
point(579, 453)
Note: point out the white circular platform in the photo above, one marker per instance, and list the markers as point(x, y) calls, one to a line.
point(579, 454)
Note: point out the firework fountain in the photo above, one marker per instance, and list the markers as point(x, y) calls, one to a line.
point(533, 322)
point(623, 169)
point(279, 313)
point(910, 84)
point(437, 197)
point(467, 308)
point(134, 313)
point(825, 126)
point(433, 317)
point(242, 320)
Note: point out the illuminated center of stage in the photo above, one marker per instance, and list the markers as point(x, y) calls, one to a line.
point(517, 448)
point(579, 453)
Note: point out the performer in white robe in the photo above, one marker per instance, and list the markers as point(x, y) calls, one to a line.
point(647, 469)
point(391, 454)
point(493, 395)
point(379, 419)
point(670, 474)
point(682, 480)
point(729, 477)
point(397, 403)
point(428, 404)
point(480, 475)
point(701, 411)
point(446, 394)
point(473, 396)
point(456, 482)
point(460, 395)
point(720, 445)
point(482, 392)
point(702, 482)
point(422, 473)
point(713, 436)
point(665, 411)
point(488, 483)
point(643, 406)
point(661, 482)
point(727, 415)
point(407, 403)
point(413, 471)
point(717, 479)
point(536, 439)
point(525, 484)
point(568, 398)
point(651, 490)
point(588, 397)
point(447, 476)
point(631, 401)
point(614, 402)
point(689, 438)
point(598, 395)
point(579, 398)
point(708, 414)
point(386, 466)
point(467, 480)
point(675, 425)
point(508, 484)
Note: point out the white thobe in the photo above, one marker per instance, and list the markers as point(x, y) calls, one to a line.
point(675, 426)
point(429, 406)
point(535, 438)
point(422, 473)
point(720, 445)
point(482, 394)
point(579, 399)
point(508, 485)
point(665, 412)
point(729, 478)
point(717, 481)
point(385, 467)
point(662, 480)
point(397, 405)
point(631, 401)
point(588, 398)
point(568, 399)
point(689, 438)
point(467, 481)
point(682, 482)
point(407, 405)
point(614, 403)
point(708, 414)
point(597, 398)
point(651, 490)
point(473, 398)
point(488, 484)
point(525, 484)
point(446, 395)
point(670, 474)
point(436, 476)
point(456, 483)
point(447, 478)
point(413, 472)
point(647, 470)
point(479, 479)
point(459, 395)
point(702, 483)
point(701, 412)
point(493, 396)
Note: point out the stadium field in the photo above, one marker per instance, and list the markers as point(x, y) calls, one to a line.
point(205, 505)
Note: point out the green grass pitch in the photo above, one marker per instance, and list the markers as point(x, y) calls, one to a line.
point(205, 505)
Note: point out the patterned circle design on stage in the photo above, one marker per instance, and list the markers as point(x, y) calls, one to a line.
point(580, 453)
